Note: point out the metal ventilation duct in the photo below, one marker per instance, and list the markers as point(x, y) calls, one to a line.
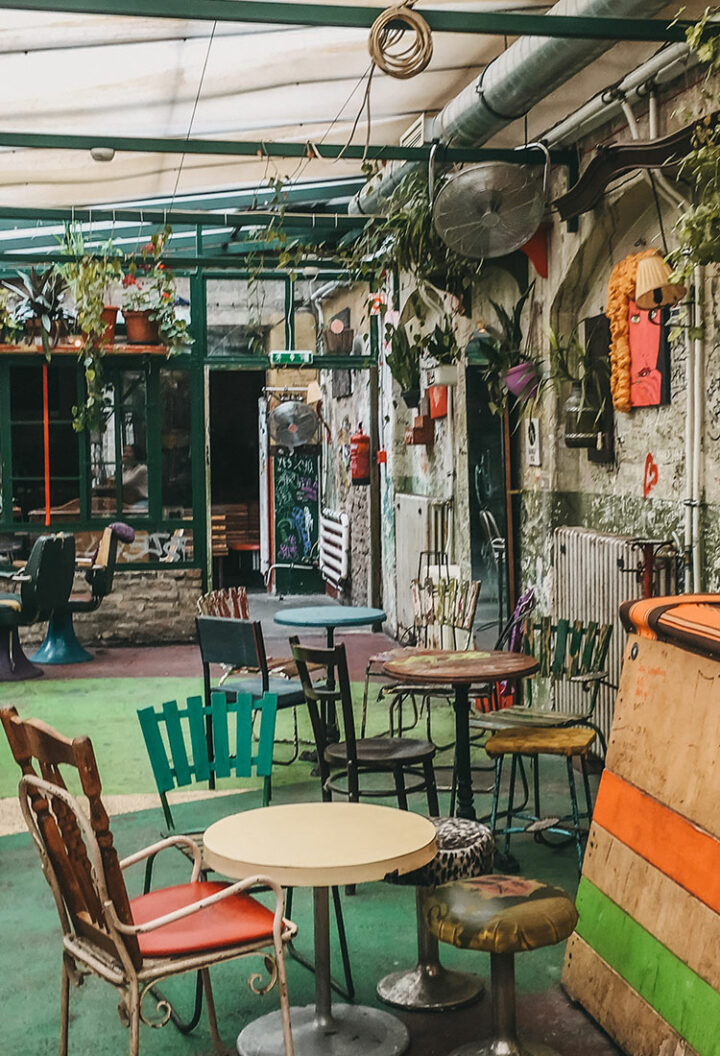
point(511, 85)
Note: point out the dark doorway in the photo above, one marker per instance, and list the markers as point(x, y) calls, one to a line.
point(234, 476)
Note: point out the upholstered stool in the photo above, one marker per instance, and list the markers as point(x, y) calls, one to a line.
point(464, 848)
point(502, 916)
point(519, 741)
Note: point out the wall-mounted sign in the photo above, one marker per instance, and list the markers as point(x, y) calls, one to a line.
point(291, 357)
point(533, 454)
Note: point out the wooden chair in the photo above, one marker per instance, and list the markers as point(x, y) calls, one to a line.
point(45, 584)
point(574, 652)
point(61, 645)
point(343, 764)
point(132, 943)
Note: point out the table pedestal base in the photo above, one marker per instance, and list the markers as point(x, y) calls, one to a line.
point(351, 1030)
point(430, 988)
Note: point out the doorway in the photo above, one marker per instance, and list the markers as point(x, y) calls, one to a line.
point(235, 476)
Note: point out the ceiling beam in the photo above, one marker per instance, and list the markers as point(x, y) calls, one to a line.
point(359, 17)
point(206, 261)
point(265, 149)
point(323, 223)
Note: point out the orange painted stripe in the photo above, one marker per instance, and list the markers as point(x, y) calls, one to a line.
point(665, 839)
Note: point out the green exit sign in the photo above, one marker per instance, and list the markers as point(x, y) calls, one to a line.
point(287, 357)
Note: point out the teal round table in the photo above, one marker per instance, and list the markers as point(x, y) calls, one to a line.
point(330, 617)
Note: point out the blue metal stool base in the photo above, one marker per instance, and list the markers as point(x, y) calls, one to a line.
point(61, 645)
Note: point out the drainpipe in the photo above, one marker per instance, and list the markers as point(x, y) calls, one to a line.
point(530, 69)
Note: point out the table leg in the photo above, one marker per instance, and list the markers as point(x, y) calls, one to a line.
point(465, 808)
point(323, 1029)
point(331, 726)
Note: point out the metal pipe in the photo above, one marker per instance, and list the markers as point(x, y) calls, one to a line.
point(698, 363)
point(529, 70)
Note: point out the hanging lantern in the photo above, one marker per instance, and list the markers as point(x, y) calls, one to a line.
point(653, 288)
point(360, 457)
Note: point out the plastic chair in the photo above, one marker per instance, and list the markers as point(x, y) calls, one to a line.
point(45, 583)
point(132, 944)
point(343, 764)
point(61, 645)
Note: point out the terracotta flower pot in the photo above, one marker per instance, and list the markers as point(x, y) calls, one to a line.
point(109, 315)
point(522, 380)
point(141, 330)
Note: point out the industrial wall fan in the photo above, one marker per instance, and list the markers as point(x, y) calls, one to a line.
point(292, 423)
point(490, 209)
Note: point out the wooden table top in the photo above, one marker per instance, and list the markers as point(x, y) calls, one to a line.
point(451, 667)
point(320, 844)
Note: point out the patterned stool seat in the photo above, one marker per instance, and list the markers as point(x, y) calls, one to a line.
point(464, 849)
point(526, 740)
point(500, 914)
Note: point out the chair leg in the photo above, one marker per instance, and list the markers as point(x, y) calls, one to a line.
point(64, 1009)
point(60, 645)
point(496, 793)
point(431, 789)
point(575, 811)
point(535, 764)
point(134, 1019)
point(14, 665)
point(586, 783)
point(148, 873)
point(400, 788)
point(511, 798)
point(366, 691)
point(217, 1041)
point(284, 1001)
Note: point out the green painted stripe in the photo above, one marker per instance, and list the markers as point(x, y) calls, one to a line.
point(684, 1000)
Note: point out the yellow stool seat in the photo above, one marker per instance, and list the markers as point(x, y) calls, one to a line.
point(499, 914)
point(526, 740)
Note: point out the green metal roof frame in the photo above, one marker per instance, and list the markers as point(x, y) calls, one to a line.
point(265, 149)
point(358, 17)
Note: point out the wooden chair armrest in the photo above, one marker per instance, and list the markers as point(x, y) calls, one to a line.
point(20, 577)
point(203, 903)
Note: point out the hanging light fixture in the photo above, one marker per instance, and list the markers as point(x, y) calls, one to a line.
point(653, 286)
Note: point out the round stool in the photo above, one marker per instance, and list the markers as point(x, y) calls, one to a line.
point(501, 915)
point(464, 848)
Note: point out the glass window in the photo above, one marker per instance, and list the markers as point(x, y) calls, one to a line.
point(118, 451)
point(245, 317)
point(27, 437)
point(176, 458)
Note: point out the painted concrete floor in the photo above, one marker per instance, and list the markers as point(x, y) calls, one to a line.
point(100, 698)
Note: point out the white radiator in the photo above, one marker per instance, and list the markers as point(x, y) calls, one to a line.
point(334, 548)
point(421, 524)
point(589, 584)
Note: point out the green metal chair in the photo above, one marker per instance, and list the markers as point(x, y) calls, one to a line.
point(45, 584)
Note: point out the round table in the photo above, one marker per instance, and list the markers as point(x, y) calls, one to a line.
point(460, 670)
point(330, 617)
point(322, 845)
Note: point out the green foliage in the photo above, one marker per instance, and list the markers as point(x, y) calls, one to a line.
point(403, 359)
point(41, 295)
point(505, 350)
point(698, 227)
point(441, 344)
point(10, 327)
point(152, 288)
point(570, 361)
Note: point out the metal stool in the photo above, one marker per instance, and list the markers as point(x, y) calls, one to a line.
point(464, 848)
point(501, 915)
point(525, 740)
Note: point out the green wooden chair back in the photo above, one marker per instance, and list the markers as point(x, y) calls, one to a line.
point(567, 649)
point(199, 741)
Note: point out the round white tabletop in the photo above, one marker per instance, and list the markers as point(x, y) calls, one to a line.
point(320, 844)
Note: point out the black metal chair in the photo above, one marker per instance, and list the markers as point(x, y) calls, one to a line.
point(45, 584)
point(343, 764)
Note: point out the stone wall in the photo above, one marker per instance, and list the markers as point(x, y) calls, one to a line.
point(144, 608)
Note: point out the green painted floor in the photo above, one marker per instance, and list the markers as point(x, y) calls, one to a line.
point(379, 918)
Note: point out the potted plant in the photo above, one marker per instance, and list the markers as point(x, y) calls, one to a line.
point(511, 368)
point(40, 305)
point(10, 328)
point(149, 306)
point(442, 348)
point(403, 359)
point(588, 377)
point(91, 278)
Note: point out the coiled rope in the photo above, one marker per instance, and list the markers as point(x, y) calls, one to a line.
point(389, 47)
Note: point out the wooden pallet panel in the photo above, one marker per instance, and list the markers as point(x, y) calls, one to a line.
point(687, 926)
point(666, 729)
point(628, 1019)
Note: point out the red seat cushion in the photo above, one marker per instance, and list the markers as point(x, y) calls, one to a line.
point(236, 919)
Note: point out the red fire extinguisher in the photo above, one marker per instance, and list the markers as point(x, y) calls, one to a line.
point(360, 457)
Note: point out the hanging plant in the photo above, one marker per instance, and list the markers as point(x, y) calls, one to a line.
point(511, 368)
point(150, 287)
point(403, 359)
point(39, 305)
point(570, 361)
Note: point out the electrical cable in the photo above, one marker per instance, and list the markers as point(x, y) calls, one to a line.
point(386, 38)
point(194, 111)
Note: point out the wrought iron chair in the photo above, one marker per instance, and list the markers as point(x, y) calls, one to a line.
point(343, 764)
point(61, 645)
point(132, 943)
point(45, 584)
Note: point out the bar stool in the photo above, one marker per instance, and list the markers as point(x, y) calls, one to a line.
point(502, 916)
point(464, 848)
point(526, 741)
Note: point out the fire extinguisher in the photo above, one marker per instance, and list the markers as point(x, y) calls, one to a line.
point(360, 457)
